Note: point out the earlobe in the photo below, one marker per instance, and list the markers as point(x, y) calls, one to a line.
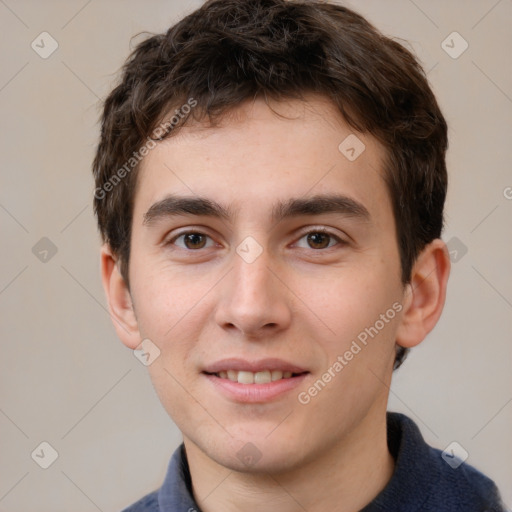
point(425, 296)
point(119, 300)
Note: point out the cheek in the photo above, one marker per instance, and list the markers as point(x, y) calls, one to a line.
point(165, 300)
point(362, 307)
point(168, 308)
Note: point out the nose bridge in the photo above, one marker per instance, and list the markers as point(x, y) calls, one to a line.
point(254, 298)
point(252, 278)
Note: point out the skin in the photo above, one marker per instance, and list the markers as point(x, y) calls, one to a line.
point(301, 303)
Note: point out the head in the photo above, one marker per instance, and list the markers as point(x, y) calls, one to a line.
point(247, 122)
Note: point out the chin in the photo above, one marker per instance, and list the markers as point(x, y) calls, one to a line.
point(251, 460)
point(255, 451)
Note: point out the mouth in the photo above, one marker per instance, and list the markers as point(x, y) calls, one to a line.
point(260, 377)
point(261, 381)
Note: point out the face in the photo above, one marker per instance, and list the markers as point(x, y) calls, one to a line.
point(265, 268)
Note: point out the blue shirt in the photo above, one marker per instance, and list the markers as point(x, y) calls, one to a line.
point(422, 481)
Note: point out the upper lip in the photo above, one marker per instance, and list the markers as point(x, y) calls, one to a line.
point(259, 365)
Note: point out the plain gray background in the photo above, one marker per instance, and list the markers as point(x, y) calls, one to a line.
point(68, 381)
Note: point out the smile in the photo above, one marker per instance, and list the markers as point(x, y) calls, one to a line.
point(261, 377)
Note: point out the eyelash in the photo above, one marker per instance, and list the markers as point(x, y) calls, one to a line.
point(323, 231)
point(184, 233)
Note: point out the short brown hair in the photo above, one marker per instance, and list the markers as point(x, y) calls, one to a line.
point(231, 51)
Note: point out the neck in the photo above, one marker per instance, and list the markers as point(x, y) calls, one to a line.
point(345, 478)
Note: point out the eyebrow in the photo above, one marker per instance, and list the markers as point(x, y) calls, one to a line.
point(184, 205)
point(320, 204)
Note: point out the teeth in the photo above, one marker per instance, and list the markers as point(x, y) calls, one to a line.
point(262, 377)
point(246, 377)
point(276, 375)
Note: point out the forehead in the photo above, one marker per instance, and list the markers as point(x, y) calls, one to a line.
point(260, 155)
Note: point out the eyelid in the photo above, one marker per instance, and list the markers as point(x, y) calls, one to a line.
point(326, 231)
point(187, 231)
point(302, 233)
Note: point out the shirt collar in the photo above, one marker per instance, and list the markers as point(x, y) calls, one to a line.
point(176, 491)
point(416, 467)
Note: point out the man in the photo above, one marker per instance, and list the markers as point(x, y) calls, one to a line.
point(270, 184)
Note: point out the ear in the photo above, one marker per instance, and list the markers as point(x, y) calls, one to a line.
point(119, 300)
point(425, 296)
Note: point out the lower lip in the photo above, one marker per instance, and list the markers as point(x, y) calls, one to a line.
point(254, 393)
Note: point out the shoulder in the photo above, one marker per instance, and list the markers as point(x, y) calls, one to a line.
point(465, 487)
point(427, 479)
point(148, 503)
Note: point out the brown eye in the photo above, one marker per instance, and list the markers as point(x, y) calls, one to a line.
point(192, 241)
point(319, 240)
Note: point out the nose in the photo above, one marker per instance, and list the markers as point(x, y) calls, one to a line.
point(253, 300)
